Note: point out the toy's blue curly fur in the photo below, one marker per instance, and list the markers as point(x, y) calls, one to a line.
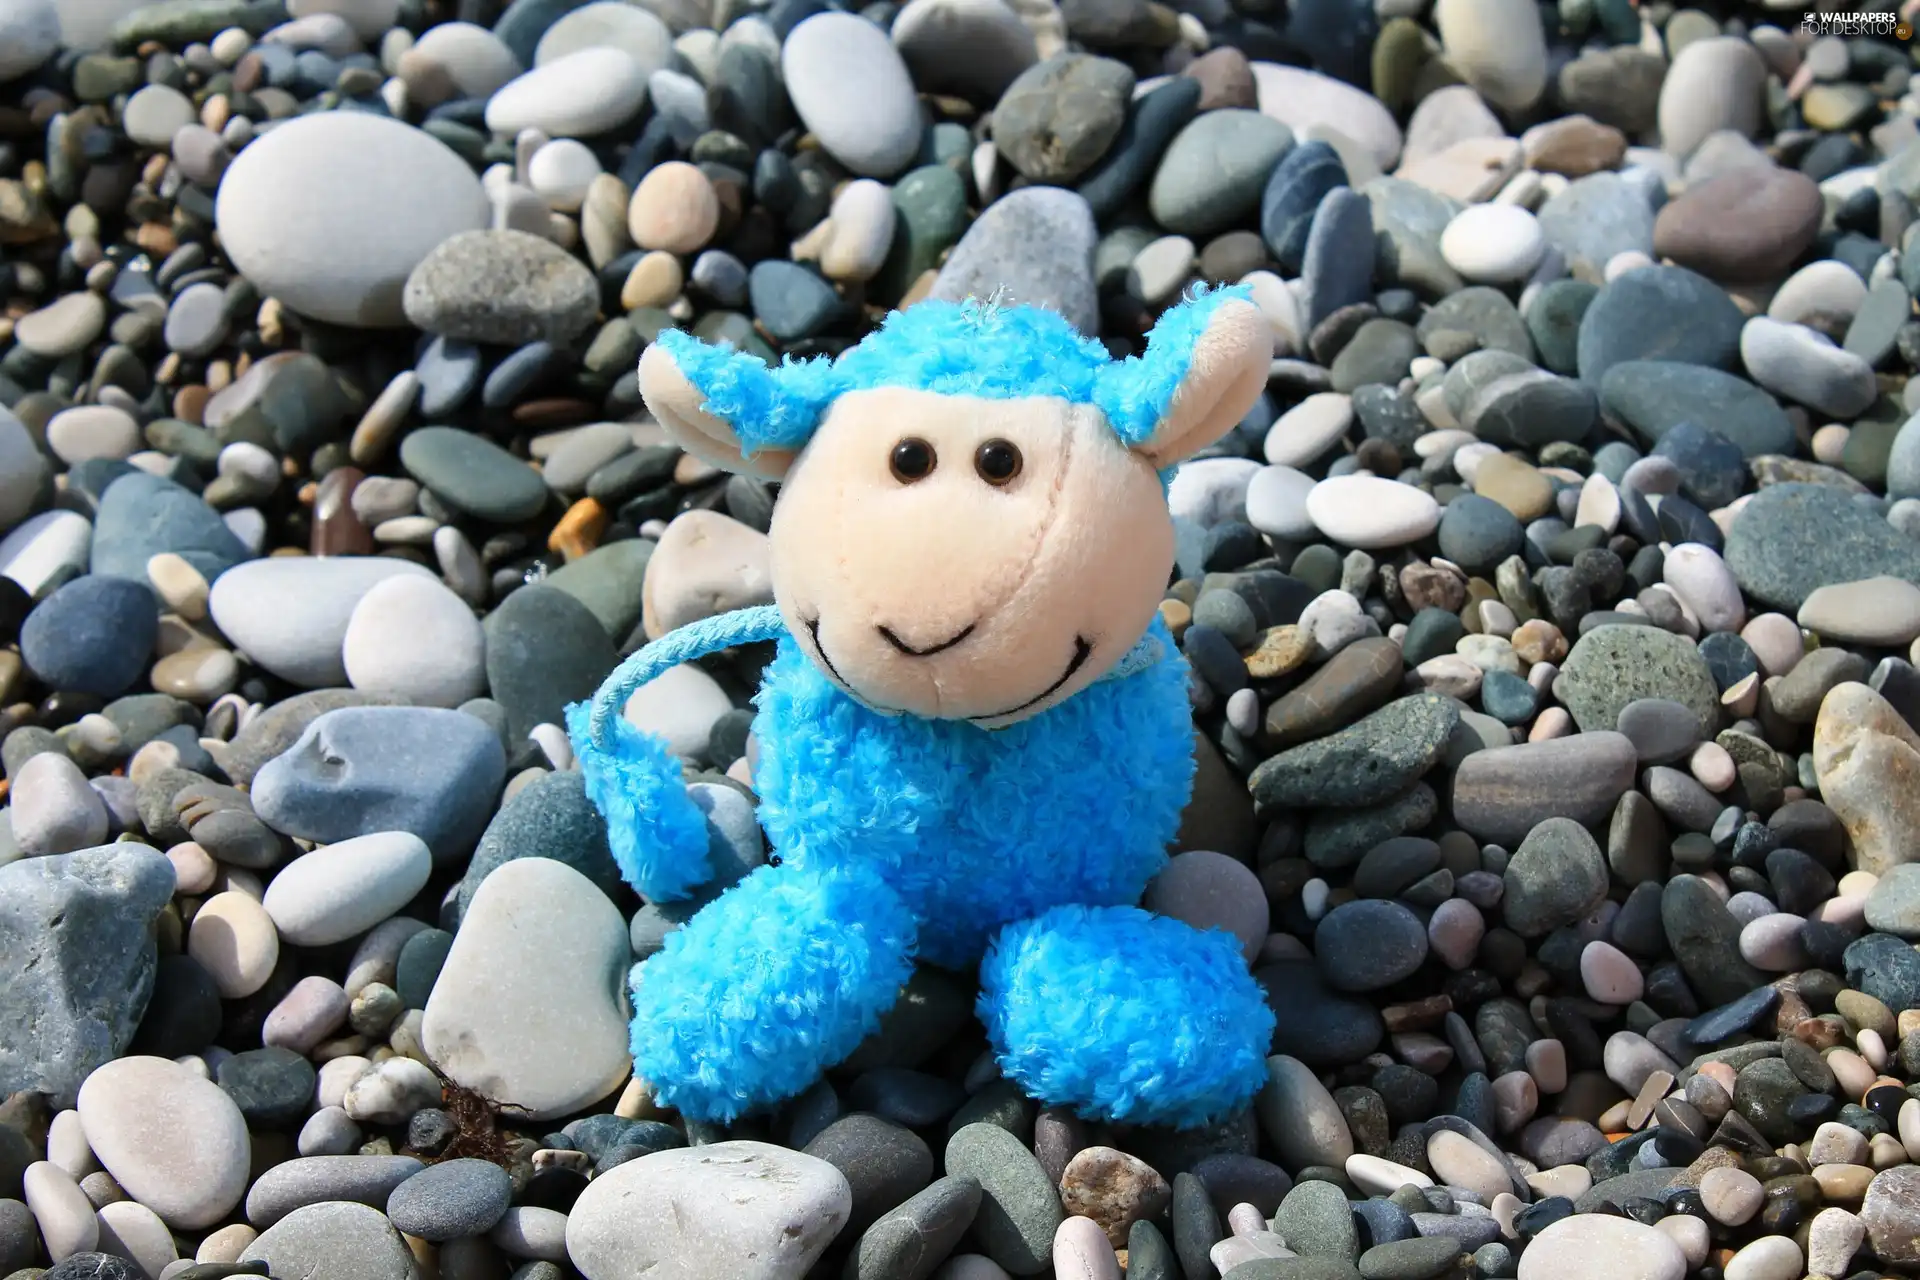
point(898, 839)
point(970, 348)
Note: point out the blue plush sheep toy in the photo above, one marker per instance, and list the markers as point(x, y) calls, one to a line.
point(974, 741)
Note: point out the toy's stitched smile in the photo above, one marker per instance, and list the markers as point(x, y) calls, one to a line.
point(1082, 650)
point(912, 652)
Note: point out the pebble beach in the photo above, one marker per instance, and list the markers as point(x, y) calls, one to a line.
point(1552, 624)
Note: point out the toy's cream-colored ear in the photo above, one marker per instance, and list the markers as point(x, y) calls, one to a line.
point(680, 408)
point(1224, 376)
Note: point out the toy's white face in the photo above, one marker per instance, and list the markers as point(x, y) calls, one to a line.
point(962, 558)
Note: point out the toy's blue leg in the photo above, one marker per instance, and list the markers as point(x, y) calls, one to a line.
point(778, 979)
point(1125, 1016)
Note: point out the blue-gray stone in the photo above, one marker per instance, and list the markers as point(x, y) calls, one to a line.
point(1337, 35)
point(544, 650)
point(1554, 322)
point(1152, 121)
point(1595, 218)
point(1314, 1023)
point(720, 276)
point(93, 635)
point(455, 1198)
point(1729, 1020)
point(1729, 658)
point(77, 949)
point(514, 376)
point(1478, 533)
point(1295, 192)
point(1886, 968)
point(273, 1087)
point(1213, 172)
point(90, 478)
point(427, 770)
point(1613, 458)
point(1338, 263)
point(1713, 470)
point(1903, 458)
point(791, 301)
point(1508, 698)
point(1317, 1222)
point(1654, 396)
point(1659, 313)
point(418, 966)
point(1792, 538)
point(448, 371)
point(141, 515)
point(1382, 1222)
point(525, 21)
point(1369, 944)
point(549, 818)
point(1037, 243)
point(1470, 1232)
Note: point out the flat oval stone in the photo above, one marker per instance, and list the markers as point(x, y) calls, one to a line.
point(454, 1198)
point(1599, 1247)
point(1789, 540)
point(1805, 365)
point(1714, 84)
point(767, 1211)
point(1020, 1208)
point(1372, 513)
point(172, 1139)
point(1305, 100)
point(1883, 612)
point(852, 90)
point(1655, 396)
point(331, 212)
point(1740, 227)
point(412, 638)
point(1500, 794)
point(579, 95)
point(473, 475)
point(1215, 169)
point(339, 891)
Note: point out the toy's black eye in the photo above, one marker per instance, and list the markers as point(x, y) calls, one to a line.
point(912, 459)
point(997, 461)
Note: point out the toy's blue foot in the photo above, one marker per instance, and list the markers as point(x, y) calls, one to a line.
point(1125, 1016)
point(778, 979)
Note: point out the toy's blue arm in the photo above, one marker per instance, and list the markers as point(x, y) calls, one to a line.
point(683, 644)
point(657, 834)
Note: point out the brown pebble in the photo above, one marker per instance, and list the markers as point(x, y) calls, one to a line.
point(156, 237)
point(1226, 80)
point(1417, 1015)
point(1114, 1189)
point(337, 531)
point(190, 403)
point(1178, 615)
point(674, 208)
point(1281, 650)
